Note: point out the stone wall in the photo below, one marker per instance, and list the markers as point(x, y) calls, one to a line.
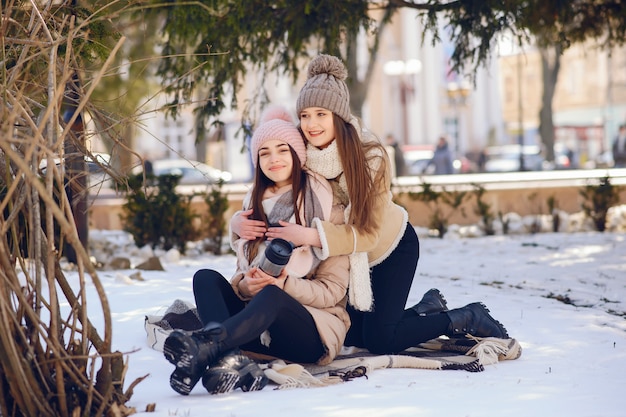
point(522, 193)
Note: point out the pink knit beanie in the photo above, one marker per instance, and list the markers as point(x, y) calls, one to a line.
point(276, 123)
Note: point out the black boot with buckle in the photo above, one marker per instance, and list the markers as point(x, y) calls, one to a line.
point(431, 303)
point(234, 370)
point(192, 352)
point(475, 319)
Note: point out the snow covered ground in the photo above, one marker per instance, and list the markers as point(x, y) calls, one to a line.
point(562, 295)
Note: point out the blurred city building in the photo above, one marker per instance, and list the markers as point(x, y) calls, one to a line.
point(415, 97)
point(589, 101)
point(421, 106)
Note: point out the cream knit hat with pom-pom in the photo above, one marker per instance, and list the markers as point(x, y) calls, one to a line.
point(276, 123)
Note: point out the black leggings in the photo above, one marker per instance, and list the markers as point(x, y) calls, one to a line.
point(389, 328)
point(294, 336)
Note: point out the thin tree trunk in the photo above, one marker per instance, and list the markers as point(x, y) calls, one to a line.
point(360, 87)
point(550, 64)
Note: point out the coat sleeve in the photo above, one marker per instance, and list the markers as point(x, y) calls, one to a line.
point(326, 287)
point(233, 235)
point(345, 239)
point(234, 282)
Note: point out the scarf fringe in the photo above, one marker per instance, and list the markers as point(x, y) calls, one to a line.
point(295, 376)
point(491, 350)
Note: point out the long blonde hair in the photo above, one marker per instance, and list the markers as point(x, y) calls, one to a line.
point(358, 159)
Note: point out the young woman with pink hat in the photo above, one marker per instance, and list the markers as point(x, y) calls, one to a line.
point(296, 312)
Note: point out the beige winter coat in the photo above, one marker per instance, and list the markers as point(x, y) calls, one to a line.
point(343, 239)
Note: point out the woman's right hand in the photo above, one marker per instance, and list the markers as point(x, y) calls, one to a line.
point(297, 234)
point(247, 228)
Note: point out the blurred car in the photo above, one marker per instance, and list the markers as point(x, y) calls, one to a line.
point(464, 165)
point(96, 165)
point(603, 160)
point(96, 170)
point(416, 159)
point(191, 172)
point(506, 158)
point(564, 158)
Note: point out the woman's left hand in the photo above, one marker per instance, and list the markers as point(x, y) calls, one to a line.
point(297, 234)
point(253, 281)
point(279, 281)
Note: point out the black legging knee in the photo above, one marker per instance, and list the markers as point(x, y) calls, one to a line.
point(389, 328)
point(291, 327)
point(215, 299)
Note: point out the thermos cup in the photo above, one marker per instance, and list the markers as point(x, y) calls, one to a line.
point(276, 255)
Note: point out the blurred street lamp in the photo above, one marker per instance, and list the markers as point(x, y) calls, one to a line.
point(405, 70)
point(520, 113)
point(457, 96)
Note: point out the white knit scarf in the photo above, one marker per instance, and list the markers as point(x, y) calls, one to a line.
point(326, 162)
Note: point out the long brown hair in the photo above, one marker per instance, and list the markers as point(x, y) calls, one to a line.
point(358, 162)
point(261, 183)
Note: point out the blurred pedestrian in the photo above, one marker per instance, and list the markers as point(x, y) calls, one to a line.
point(482, 160)
point(619, 148)
point(442, 158)
point(148, 169)
point(393, 148)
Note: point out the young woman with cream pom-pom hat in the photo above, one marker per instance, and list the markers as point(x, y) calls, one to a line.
point(300, 314)
point(382, 245)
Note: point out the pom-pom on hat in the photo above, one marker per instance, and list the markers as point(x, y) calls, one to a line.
point(276, 123)
point(326, 87)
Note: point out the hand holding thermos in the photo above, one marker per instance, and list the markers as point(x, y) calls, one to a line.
point(276, 255)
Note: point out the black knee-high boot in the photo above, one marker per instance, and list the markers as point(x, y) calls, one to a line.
point(192, 353)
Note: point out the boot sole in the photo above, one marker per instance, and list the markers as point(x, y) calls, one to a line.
point(221, 381)
point(257, 384)
point(177, 351)
point(252, 378)
point(182, 383)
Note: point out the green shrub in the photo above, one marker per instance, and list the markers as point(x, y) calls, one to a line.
point(483, 210)
point(154, 214)
point(437, 202)
point(535, 226)
point(505, 222)
point(598, 199)
point(553, 206)
point(217, 205)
